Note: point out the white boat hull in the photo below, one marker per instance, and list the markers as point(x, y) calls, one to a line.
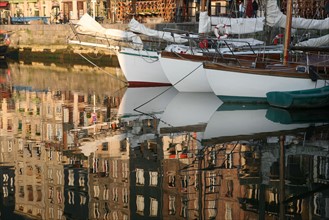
point(141, 67)
point(237, 86)
point(185, 75)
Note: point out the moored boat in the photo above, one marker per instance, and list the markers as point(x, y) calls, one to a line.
point(310, 98)
point(249, 84)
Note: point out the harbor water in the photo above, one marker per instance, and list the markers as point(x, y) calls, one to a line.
point(76, 143)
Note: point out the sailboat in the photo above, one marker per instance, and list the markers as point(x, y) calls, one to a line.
point(184, 68)
point(234, 83)
point(138, 60)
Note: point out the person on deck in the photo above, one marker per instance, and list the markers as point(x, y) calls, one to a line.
point(241, 9)
point(254, 8)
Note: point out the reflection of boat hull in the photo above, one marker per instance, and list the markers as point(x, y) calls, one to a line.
point(189, 111)
point(141, 68)
point(233, 122)
point(139, 101)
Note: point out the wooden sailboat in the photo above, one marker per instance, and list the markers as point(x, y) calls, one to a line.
point(232, 83)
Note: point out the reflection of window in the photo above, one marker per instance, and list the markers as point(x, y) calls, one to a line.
point(153, 178)
point(115, 168)
point(125, 195)
point(212, 212)
point(115, 194)
point(171, 180)
point(140, 176)
point(59, 196)
point(50, 174)
point(105, 146)
point(115, 215)
point(21, 192)
point(228, 211)
point(5, 191)
point(172, 208)
point(29, 193)
point(71, 197)
point(10, 146)
point(96, 191)
point(51, 212)
point(184, 182)
point(59, 177)
point(153, 207)
point(229, 188)
point(96, 210)
point(105, 193)
point(125, 170)
point(140, 204)
point(39, 194)
point(229, 160)
point(212, 182)
point(51, 194)
point(71, 178)
point(81, 180)
point(183, 211)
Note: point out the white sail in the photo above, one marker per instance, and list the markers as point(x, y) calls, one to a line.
point(239, 25)
point(135, 26)
point(89, 26)
point(274, 17)
point(204, 23)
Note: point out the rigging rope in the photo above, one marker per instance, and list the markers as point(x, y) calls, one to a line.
point(125, 82)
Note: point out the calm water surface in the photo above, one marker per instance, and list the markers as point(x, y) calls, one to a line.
point(77, 144)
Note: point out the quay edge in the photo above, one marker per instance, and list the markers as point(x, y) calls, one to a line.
point(52, 38)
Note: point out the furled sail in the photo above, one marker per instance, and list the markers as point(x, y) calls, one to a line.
point(274, 17)
point(204, 23)
point(89, 26)
point(315, 42)
point(135, 26)
point(239, 25)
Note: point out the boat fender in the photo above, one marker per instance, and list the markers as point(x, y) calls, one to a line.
point(204, 44)
point(277, 38)
point(313, 74)
point(216, 31)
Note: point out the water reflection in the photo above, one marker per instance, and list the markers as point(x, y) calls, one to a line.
point(79, 146)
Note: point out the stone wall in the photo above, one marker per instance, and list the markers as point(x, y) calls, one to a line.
point(54, 36)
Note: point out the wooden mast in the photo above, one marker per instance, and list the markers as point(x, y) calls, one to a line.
point(287, 32)
point(203, 5)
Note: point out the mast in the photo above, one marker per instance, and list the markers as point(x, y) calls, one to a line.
point(287, 32)
point(203, 5)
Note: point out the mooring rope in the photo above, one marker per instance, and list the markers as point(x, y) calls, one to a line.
point(125, 82)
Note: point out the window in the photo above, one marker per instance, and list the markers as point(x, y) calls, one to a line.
point(140, 176)
point(140, 204)
point(171, 180)
point(153, 207)
point(172, 205)
point(153, 178)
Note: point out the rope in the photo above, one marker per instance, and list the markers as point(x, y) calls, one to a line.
point(103, 69)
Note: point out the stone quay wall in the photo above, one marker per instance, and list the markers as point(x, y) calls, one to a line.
point(40, 37)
